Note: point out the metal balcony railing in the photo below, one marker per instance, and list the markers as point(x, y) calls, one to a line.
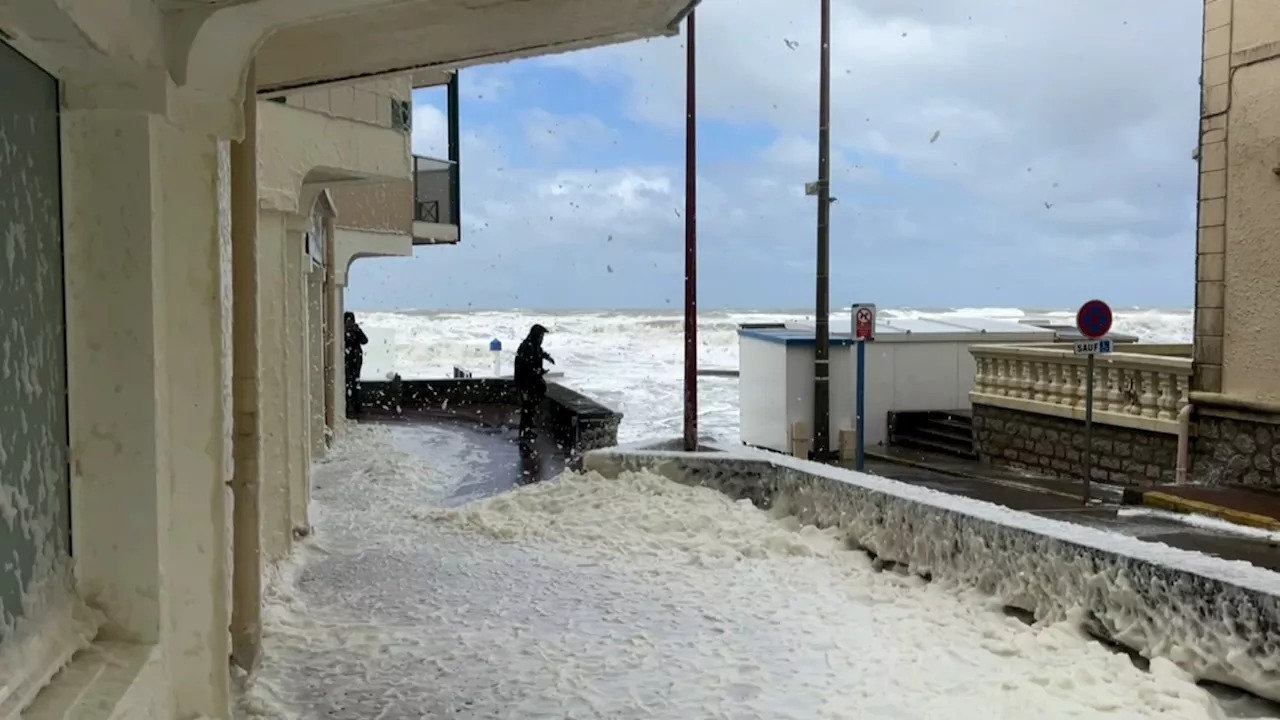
point(435, 190)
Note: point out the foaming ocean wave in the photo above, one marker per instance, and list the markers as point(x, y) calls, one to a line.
point(633, 360)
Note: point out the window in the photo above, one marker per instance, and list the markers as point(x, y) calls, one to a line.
point(35, 541)
point(402, 115)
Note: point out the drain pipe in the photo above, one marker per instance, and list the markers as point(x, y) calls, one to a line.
point(1184, 443)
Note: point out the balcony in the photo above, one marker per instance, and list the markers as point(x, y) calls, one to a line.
point(435, 201)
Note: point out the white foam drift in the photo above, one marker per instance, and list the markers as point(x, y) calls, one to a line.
point(640, 597)
point(1215, 619)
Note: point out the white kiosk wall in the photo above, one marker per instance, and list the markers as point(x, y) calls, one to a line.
point(925, 364)
point(379, 354)
point(775, 384)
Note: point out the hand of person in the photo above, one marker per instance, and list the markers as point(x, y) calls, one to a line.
point(551, 360)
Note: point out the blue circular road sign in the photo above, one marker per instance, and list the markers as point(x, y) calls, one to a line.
point(1094, 319)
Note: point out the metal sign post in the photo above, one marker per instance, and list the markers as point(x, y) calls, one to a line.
point(1093, 320)
point(864, 331)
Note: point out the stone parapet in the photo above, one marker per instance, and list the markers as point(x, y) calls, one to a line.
point(1237, 442)
point(1139, 391)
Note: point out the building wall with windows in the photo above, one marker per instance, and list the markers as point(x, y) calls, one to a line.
point(136, 508)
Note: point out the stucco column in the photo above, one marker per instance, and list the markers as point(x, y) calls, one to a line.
point(272, 397)
point(298, 445)
point(316, 357)
point(337, 388)
point(246, 606)
point(147, 217)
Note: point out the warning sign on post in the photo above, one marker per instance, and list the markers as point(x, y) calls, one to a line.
point(864, 322)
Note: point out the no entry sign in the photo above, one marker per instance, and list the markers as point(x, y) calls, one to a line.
point(1093, 320)
point(864, 322)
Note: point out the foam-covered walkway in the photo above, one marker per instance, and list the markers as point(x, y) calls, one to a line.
point(636, 598)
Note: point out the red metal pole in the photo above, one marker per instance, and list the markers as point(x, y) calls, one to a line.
point(691, 243)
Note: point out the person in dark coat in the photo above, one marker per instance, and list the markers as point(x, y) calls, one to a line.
point(354, 341)
point(531, 387)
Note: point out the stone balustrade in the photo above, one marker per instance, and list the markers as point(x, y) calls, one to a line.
point(1132, 390)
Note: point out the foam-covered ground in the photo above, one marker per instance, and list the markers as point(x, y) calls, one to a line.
point(590, 598)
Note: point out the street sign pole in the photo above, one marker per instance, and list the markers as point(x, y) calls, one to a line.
point(864, 331)
point(860, 404)
point(1088, 427)
point(1093, 320)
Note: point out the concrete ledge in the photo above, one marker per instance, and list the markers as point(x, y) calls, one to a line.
point(577, 422)
point(112, 681)
point(1133, 422)
point(1174, 503)
point(1214, 618)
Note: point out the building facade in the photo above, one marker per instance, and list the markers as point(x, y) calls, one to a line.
point(1236, 390)
point(175, 246)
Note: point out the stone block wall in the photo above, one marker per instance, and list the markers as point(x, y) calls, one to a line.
point(1054, 446)
point(1236, 451)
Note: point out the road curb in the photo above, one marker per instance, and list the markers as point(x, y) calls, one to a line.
point(1113, 494)
point(1173, 503)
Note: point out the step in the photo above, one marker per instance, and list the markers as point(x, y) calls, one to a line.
point(927, 444)
point(942, 427)
point(941, 434)
point(966, 425)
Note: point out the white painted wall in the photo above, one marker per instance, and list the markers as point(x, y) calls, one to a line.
point(775, 387)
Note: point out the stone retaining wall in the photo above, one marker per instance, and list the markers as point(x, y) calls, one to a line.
point(1235, 449)
point(1215, 619)
point(1054, 446)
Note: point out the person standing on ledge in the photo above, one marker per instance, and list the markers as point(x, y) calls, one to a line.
point(531, 387)
point(353, 360)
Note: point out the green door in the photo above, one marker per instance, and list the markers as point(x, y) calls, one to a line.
point(35, 521)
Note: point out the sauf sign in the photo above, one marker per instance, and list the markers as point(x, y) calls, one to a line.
point(1093, 347)
point(1093, 320)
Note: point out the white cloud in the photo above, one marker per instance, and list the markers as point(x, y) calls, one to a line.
point(430, 131)
point(552, 135)
point(1084, 104)
point(986, 140)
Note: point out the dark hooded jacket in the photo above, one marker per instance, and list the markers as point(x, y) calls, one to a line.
point(528, 365)
point(353, 351)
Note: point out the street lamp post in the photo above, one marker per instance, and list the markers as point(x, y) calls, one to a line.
point(822, 329)
point(691, 242)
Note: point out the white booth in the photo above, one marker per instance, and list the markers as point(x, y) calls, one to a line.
point(913, 364)
point(379, 354)
point(775, 384)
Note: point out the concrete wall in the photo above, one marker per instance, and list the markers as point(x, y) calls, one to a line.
point(379, 207)
point(369, 102)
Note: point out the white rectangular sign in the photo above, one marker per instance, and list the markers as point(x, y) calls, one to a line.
point(864, 321)
point(1093, 347)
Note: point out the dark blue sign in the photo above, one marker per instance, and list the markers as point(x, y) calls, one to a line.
point(1094, 319)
